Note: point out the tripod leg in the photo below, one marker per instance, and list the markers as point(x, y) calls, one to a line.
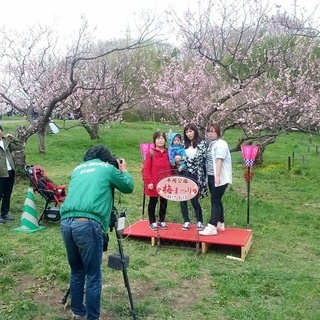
point(126, 282)
point(125, 275)
point(65, 297)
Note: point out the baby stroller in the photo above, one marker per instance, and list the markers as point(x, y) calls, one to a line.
point(51, 193)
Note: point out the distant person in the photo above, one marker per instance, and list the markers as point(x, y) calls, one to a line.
point(34, 113)
point(196, 150)
point(219, 172)
point(8, 143)
point(156, 167)
point(176, 148)
point(85, 214)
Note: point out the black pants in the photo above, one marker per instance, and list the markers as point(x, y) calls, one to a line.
point(217, 214)
point(196, 207)
point(195, 202)
point(152, 209)
point(6, 186)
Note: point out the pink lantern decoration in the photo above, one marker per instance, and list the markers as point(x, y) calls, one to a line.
point(145, 148)
point(249, 154)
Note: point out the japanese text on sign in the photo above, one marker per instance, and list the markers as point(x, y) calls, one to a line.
point(177, 188)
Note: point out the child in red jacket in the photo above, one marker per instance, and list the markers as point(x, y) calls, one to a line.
point(156, 167)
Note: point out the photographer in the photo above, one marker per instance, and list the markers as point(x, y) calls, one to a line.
point(85, 215)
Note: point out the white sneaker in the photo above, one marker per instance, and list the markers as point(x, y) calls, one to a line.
point(153, 226)
point(186, 226)
point(163, 225)
point(75, 317)
point(199, 226)
point(209, 230)
point(220, 226)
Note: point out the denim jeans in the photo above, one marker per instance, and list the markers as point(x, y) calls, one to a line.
point(217, 213)
point(83, 241)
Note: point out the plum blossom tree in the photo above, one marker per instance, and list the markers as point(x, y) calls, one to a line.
point(40, 73)
point(243, 67)
point(113, 86)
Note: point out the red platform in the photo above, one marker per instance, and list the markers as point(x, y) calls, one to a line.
point(229, 237)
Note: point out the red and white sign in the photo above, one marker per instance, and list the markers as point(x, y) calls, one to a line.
point(177, 188)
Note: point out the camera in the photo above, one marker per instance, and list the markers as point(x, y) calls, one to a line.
point(114, 162)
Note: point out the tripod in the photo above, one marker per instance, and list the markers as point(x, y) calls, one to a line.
point(124, 263)
point(116, 261)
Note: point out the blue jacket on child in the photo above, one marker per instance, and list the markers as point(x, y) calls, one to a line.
point(176, 150)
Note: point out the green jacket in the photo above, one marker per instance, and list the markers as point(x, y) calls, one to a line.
point(10, 145)
point(90, 192)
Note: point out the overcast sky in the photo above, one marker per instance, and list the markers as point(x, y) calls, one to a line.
point(111, 17)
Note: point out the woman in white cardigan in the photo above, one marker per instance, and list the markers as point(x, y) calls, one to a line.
point(219, 173)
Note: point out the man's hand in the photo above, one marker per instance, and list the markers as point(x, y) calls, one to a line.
point(122, 165)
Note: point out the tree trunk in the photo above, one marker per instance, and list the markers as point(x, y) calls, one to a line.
point(19, 157)
point(21, 135)
point(41, 133)
point(259, 157)
point(92, 129)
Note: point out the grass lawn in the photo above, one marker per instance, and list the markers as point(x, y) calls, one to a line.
point(278, 280)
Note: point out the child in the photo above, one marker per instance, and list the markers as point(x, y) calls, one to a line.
point(176, 148)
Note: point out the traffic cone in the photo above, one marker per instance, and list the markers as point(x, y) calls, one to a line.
point(29, 220)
